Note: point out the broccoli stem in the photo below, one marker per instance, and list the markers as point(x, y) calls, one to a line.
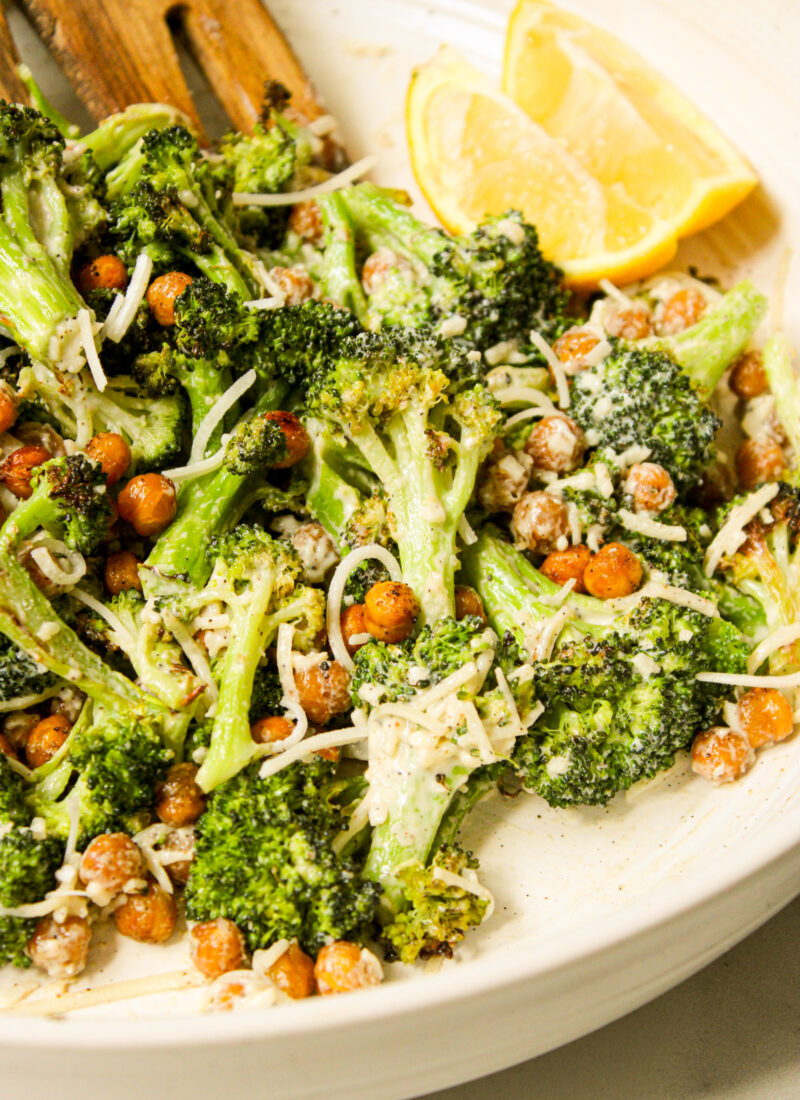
point(44, 106)
point(707, 349)
point(477, 787)
point(36, 296)
point(116, 136)
point(339, 280)
point(207, 505)
point(785, 389)
point(385, 223)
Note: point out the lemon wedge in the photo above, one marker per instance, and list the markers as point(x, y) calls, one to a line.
point(627, 125)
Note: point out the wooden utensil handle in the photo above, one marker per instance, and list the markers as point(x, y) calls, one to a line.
point(118, 52)
point(11, 87)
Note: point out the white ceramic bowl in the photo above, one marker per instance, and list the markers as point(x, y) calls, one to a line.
point(597, 910)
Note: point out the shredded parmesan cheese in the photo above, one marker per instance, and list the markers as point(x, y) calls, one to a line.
point(90, 350)
point(731, 535)
point(736, 679)
point(123, 310)
point(557, 367)
point(209, 422)
point(336, 593)
point(467, 882)
point(56, 1005)
point(784, 635)
point(331, 739)
point(643, 524)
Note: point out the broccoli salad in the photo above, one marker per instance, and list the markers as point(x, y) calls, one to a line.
point(320, 525)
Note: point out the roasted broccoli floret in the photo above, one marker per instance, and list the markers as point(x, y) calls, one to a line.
point(176, 207)
point(648, 401)
point(494, 278)
point(255, 445)
point(68, 500)
point(20, 676)
point(264, 859)
point(620, 699)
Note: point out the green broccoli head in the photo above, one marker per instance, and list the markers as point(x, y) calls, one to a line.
point(256, 445)
point(402, 669)
point(619, 707)
point(13, 789)
point(27, 866)
point(14, 936)
point(20, 675)
point(653, 404)
point(263, 859)
point(69, 501)
point(438, 914)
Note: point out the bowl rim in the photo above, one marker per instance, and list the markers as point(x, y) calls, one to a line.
point(504, 967)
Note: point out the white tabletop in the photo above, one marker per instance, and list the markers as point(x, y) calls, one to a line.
point(732, 1032)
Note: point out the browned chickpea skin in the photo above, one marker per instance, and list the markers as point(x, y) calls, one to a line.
point(6, 748)
point(268, 730)
point(567, 565)
point(162, 294)
point(650, 486)
point(148, 917)
point(306, 220)
point(468, 602)
point(295, 284)
point(148, 502)
point(343, 967)
point(390, 611)
point(556, 443)
point(759, 460)
point(17, 469)
point(503, 479)
point(573, 347)
point(353, 622)
point(540, 520)
point(765, 715)
point(613, 572)
point(297, 440)
point(324, 691)
point(293, 973)
point(721, 755)
point(179, 799)
point(17, 728)
point(60, 949)
point(110, 862)
point(107, 272)
point(8, 410)
point(216, 947)
point(122, 572)
point(45, 739)
point(376, 268)
point(680, 311)
point(113, 454)
point(748, 377)
point(179, 842)
point(630, 324)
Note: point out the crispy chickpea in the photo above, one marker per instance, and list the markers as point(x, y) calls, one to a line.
point(122, 572)
point(748, 377)
point(377, 267)
point(353, 622)
point(17, 728)
point(316, 550)
point(614, 571)
point(148, 502)
point(468, 602)
point(293, 973)
point(759, 460)
point(18, 467)
point(556, 443)
point(179, 842)
point(721, 755)
point(650, 486)
point(162, 294)
point(147, 918)
point(306, 220)
point(294, 283)
point(567, 565)
point(343, 967)
point(268, 730)
point(105, 273)
point(45, 739)
point(179, 799)
point(113, 454)
point(6, 748)
point(60, 949)
point(110, 862)
point(8, 411)
point(765, 715)
point(503, 481)
point(630, 324)
point(681, 310)
point(573, 347)
point(297, 441)
point(324, 691)
point(539, 522)
point(390, 611)
point(216, 947)
point(332, 753)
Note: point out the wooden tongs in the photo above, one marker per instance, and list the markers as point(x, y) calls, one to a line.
point(119, 52)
